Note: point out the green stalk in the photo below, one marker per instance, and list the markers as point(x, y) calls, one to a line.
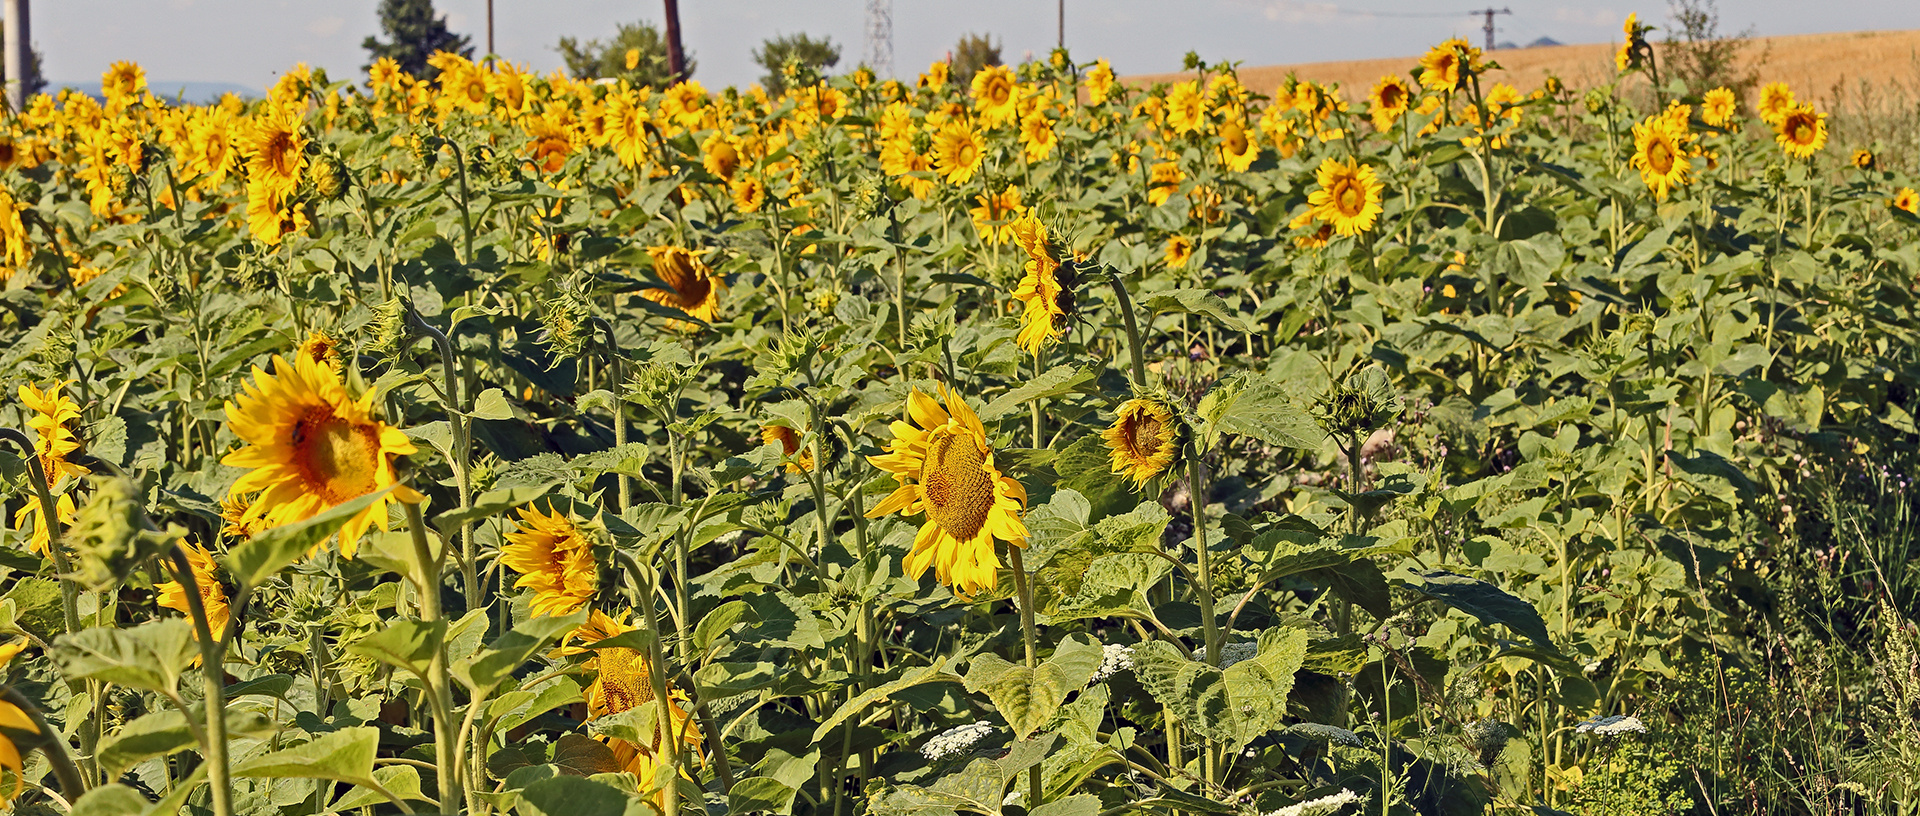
point(1133, 328)
point(212, 671)
point(439, 694)
point(656, 676)
point(462, 453)
point(1024, 585)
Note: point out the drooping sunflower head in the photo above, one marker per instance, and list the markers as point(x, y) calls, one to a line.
point(554, 557)
point(310, 447)
point(1440, 69)
point(691, 286)
point(1776, 101)
point(1100, 82)
point(51, 415)
point(1046, 288)
point(1349, 196)
point(958, 151)
point(1163, 179)
point(12, 718)
point(1179, 251)
point(1905, 199)
point(235, 524)
point(322, 348)
point(798, 459)
point(945, 468)
point(1802, 132)
point(1145, 437)
point(276, 150)
point(1718, 107)
point(213, 597)
point(995, 215)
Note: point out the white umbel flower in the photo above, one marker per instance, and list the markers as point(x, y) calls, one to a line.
point(1321, 806)
point(1114, 659)
point(1618, 725)
point(957, 740)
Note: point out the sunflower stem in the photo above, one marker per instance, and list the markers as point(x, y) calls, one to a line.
point(1133, 327)
point(625, 483)
point(212, 673)
point(657, 679)
point(1024, 586)
point(462, 451)
point(439, 695)
point(55, 748)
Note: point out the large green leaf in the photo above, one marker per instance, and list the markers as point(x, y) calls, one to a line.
point(150, 656)
point(575, 796)
point(1029, 697)
point(1258, 410)
point(258, 558)
point(398, 781)
point(404, 644)
point(510, 651)
point(1487, 602)
point(163, 732)
point(342, 756)
point(1234, 705)
point(1197, 302)
point(935, 673)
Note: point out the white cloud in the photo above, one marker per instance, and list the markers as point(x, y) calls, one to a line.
point(326, 26)
point(1293, 11)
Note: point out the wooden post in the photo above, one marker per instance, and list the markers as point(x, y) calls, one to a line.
point(490, 49)
point(19, 48)
point(676, 60)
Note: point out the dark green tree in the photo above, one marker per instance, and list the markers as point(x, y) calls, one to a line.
point(414, 34)
point(799, 49)
point(594, 59)
point(972, 53)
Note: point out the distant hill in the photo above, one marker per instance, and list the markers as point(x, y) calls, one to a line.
point(193, 93)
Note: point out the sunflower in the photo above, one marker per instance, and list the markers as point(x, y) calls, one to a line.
point(899, 158)
point(1238, 151)
point(799, 459)
point(622, 682)
point(995, 215)
point(1043, 295)
point(554, 558)
point(41, 539)
point(1718, 107)
point(123, 81)
point(995, 95)
point(719, 155)
point(12, 718)
point(50, 413)
point(271, 216)
point(1905, 199)
point(627, 121)
point(1387, 102)
point(1864, 159)
point(1186, 108)
point(1660, 154)
point(1179, 251)
point(686, 103)
point(1143, 439)
point(210, 154)
point(213, 597)
point(945, 468)
point(311, 447)
point(234, 522)
point(749, 193)
point(1776, 101)
point(322, 348)
point(1099, 82)
point(552, 142)
point(936, 76)
point(1162, 180)
point(276, 152)
point(692, 287)
point(1037, 137)
point(957, 151)
point(1440, 68)
point(1802, 132)
point(1348, 196)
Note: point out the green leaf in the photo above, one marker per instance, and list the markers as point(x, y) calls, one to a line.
point(491, 404)
point(935, 673)
point(489, 504)
point(510, 651)
point(1487, 602)
point(150, 656)
point(1236, 705)
point(112, 799)
point(717, 622)
point(342, 756)
point(1197, 302)
point(165, 731)
point(404, 644)
point(574, 796)
point(401, 781)
point(517, 708)
point(1260, 411)
point(258, 558)
point(1029, 697)
point(1056, 381)
point(1079, 804)
point(759, 793)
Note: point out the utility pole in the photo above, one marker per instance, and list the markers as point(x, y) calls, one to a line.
point(1062, 8)
point(1489, 12)
point(490, 48)
point(880, 37)
point(19, 48)
point(676, 60)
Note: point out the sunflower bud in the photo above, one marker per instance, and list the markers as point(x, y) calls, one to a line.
point(329, 177)
point(824, 299)
point(390, 333)
point(655, 385)
point(1554, 86)
point(1355, 408)
point(1596, 102)
point(56, 350)
point(565, 321)
point(1146, 437)
point(869, 198)
point(253, 274)
point(111, 536)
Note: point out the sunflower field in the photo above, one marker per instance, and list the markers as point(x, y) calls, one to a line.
point(1039, 443)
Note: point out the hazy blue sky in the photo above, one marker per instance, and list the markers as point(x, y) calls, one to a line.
point(252, 41)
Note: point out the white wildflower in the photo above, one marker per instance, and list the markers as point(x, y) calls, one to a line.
point(1321, 806)
point(1114, 659)
point(1615, 726)
point(1230, 653)
point(956, 740)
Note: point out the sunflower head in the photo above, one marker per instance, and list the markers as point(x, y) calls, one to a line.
point(944, 466)
point(692, 287)
point(322, 348)
point(1905, 199)
point(1776, 101)
point(1660, 154)
point(1349, 196)
point(1145, 437)
point(1801, 131)
point(1179, 250)
point(213, 597)
point(1046, 290)
point(1864, 159)
point(1718, 107)
point(958, 151)
point(553, 554)
point(798, 459)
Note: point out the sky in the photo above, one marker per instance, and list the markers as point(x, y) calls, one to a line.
point(250, 42)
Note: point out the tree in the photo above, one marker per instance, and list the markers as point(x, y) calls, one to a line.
point(608, 60)
point(800, 49)
point(972, 53)
point(1703, 56)
point(415, 34)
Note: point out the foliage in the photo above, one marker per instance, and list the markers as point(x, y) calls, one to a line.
point(798, 49)
point(594, 59)
point(511, 444)
point(413, 35)
point(1702, 56)
point(972, 53)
